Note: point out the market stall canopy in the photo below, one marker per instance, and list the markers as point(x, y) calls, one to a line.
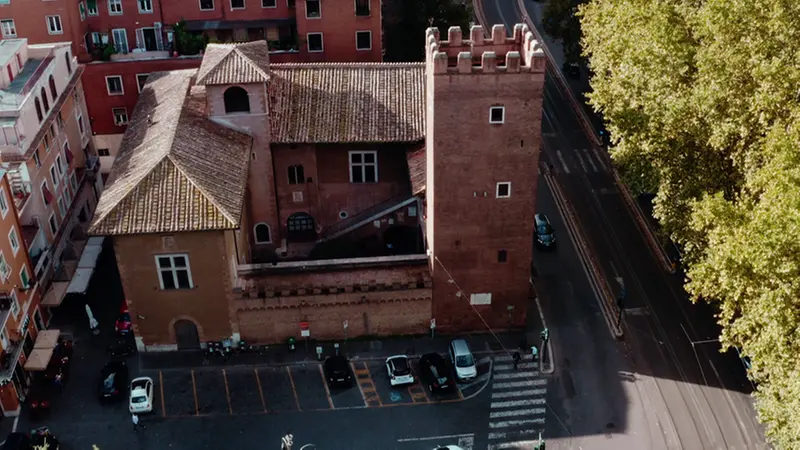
point(42, 352)
point(86, 266)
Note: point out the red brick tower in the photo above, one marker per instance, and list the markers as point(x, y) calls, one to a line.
point(484, 112)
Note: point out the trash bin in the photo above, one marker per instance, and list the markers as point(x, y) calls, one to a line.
point(292, 346)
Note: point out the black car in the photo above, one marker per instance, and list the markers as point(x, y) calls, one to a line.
point(435, 373)
point(114, 381)
point(40, 397)
point(337, 372)
point(543, 232)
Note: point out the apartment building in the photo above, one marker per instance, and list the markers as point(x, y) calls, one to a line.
point(50, 188)
point(337, 199)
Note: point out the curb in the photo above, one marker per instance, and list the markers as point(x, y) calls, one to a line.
point(486, 383)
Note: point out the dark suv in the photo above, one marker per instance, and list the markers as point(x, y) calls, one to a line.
point(543, 232)
point(436, 373)
point(337, 372)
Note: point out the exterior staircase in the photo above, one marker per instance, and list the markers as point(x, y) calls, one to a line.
point(366, 217)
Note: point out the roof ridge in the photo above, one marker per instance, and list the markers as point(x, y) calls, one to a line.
point(227, 50)
point(249, 61)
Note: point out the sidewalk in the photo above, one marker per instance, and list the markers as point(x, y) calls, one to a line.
point(354, 349)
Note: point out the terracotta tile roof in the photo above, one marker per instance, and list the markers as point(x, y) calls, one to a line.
point(234, 63)
point(350, 102)
point(417, 169)
point(175, 170)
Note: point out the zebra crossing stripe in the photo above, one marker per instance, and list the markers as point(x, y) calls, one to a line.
point(509, 367)
point(512, 434)
point(519, 384)
point(516, 413)
point(506, 358)
point(512, 375)
point(522, 393)
point(589, 157)
point(517, 403)
point(516, 423)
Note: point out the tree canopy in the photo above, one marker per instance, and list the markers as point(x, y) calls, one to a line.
point(702, 99)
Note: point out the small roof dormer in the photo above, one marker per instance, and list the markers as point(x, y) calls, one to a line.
point(234, 64)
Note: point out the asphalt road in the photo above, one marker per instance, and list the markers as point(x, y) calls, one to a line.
point(691, 395)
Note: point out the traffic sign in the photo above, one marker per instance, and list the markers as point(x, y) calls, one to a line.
point(433, 324)
point(304, 325)
point(345, 324)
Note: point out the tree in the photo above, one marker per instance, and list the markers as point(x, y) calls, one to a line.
point(560, 21)
point(701, 99)
point(406, 21)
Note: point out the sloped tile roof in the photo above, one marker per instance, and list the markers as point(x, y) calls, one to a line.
point(176, 170)
point(417, 169)
point(347, 102)
point(234, 63)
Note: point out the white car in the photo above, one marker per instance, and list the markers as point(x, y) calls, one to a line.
point(141, 395)
point(399, 370)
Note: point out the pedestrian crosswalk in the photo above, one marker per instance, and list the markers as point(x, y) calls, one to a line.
point(517, 409)
point(588, 160)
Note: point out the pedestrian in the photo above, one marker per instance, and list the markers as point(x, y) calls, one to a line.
point(534, 353)
point(516, 359)
point(136, 424)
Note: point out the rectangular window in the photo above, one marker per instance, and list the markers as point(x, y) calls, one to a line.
point(60, 164)
point(9, 29)
point(5, 269)
point(120, 40)
point(14, 310)
point(3, 203)
point(67, 198)
point(114, 7)
point(73, 182)
point(80, 122)
point(54, 176)
point(314, 42)
point(91, 7)
point(504, 189)
point(364, 167)
point(4, 339)
point(36, 159)
point(141, 80)
point(174, 272)
point(145, 6)
point(120, 116)
point(103, 152)
point(206, 5)
point(362, 7)
point(82, 11)
point(296, 175)
point(62, 208)
point(114, 85)
point(54, 25)
point(237, 4)
point(363, 40)
point(53, 224)
point(269, 4)
point(313, 9)
point(502, 256)
point(497, 114)
point(46, 195)
point(12, 239)
point(60, 121)
point(23, 276)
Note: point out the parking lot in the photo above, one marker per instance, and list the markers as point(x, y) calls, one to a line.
point(238, 390)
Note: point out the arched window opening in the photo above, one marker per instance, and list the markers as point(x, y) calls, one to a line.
point(39, 110)
point(301, 227)
point(53, 90)
point(262, 234)
point(44, 100)
point(236, 100)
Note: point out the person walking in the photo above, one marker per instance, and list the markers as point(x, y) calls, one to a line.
point(516, 359)
point(534, 353)
point(136, 424)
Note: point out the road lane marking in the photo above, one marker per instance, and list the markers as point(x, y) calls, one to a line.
point(227, 391)
point(512, 375)
point(580, 160)
point(477, 381)
point(161, 386)
point(516, 423)
point(589, 157)
point(518, 384)
point(514, 445)
point(517, 413)
point(508, 434)
point(510, 367)
point(325, 385)
point(506, 358)
point(433, 438)
point(194, 391)
point(522, 393)
point(294, 389)
point(600, 159)
point(563, 161)
point(260, 390)
point(516, 403)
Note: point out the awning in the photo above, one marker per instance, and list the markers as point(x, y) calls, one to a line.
point(55, 294)
point(47, 339)
point(39, 358)
point(202, 25)
point(86, 265)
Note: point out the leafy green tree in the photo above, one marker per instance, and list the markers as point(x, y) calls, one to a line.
point(702, 98)
point(405, 22)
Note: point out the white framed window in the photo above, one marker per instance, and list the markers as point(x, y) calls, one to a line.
point(13, 240)
point(54, 176)
point(4, 339)
point(497, 114)
point(3, 203)
point(314, 41)
point(62, 207)
point(364, 40)
point(45, 192)
point(114, 85)
point(92, 11)
point(79, 119)
point(504, 189)
point(206, 5)
point(53, 223)
point(362, 8)
point(24, 278)
point(60, 165)
point(54, 25)
point(5, 269)
point(313, 9)
point(73, 182)
point(363, 167)
point(174, 271)
point(14, 309)
point(120, 36)
point(82, 11)
point(237, 4)
point(120, 116)
point(262, 234)
point(141, 80)
point(103, 152)
point(145, 6)
point(36, 159)
point(269, 4)
point(9, 28)
point(115, 7)
point(67, 197)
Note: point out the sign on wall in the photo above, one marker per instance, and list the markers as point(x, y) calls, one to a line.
point(480, 299)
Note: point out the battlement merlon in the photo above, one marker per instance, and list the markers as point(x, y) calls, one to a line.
point(519, 53)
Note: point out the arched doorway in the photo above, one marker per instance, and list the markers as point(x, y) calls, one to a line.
point(186, 335)
point(301, 227)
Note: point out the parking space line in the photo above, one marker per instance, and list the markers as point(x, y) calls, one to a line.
point(325, 384)
point(260, 391)
point(227, 391)
point(194, 391)
point(418, 394)
point(161, 387)
point(294, 389)
point(460, 394)
point(366, 385)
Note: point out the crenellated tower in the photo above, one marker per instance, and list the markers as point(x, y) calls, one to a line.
point(483, 138)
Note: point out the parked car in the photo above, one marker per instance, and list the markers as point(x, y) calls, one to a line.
point(461, 357)
point(543, 231)
point(40, 397)
point(399, 369)
point(141, 396)
point(435, 373)
point(337, 371)
point(113, 381)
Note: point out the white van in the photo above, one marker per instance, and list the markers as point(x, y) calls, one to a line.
point(463, 361)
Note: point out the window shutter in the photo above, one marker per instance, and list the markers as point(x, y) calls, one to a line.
point(159, 36)
point(140, 38)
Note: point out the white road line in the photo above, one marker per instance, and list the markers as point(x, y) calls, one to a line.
point(510, 367)
point(506, 358)
point(512, 375)
point(452, 436)
point(589, 157)
point(513, 445)
point(517, 403)
point(519, 384)
point(476, 381)
point(600, 158)
point(578, 154)
point(523, 393)
point(516, 423)
point(512, 434)
point(563, 162)
point(517, 413)
point(484, 360)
